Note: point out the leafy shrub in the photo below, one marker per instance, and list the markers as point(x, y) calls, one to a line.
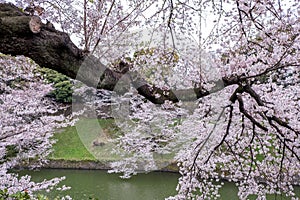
point(4, 195)
point(63, 91)
point(11, 151)
point(63, 87)
point(16, 196)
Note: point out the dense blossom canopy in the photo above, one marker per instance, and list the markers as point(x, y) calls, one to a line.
point(28, 120)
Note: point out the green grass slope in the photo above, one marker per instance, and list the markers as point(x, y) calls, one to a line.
point(76, 142)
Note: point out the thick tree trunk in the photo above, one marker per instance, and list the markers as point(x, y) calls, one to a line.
point(53, 49)
point(48, 48)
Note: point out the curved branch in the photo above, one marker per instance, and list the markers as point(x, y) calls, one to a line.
point(53, 49)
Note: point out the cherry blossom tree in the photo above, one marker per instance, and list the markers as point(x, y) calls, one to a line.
point(229, 112)
point(28, 120)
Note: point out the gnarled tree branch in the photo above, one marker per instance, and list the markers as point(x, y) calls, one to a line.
point(53, 49)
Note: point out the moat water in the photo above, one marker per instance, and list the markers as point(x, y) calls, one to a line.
point(87, 184)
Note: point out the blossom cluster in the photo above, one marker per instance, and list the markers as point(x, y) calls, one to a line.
point(28, 121)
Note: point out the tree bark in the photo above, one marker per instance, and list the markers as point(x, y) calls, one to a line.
point(53, 49)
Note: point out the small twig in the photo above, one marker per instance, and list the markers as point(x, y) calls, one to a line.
point(226, 134)
point(104, 24)
point(243, 110)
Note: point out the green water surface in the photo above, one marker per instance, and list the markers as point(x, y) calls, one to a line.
point(87, 184)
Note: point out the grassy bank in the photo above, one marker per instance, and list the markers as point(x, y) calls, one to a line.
point(76, 147)
point(76, 143)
